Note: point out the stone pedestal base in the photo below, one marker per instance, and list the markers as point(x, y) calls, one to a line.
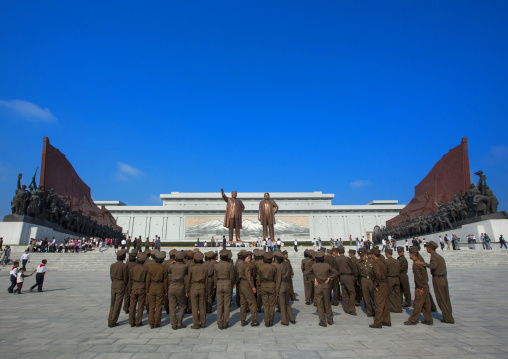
point(21, 232)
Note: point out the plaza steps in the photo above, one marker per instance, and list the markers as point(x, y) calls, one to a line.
point(100, 261)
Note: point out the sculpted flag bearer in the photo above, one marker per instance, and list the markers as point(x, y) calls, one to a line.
point(119, 278)
point(421, 303)
point(266, 215)
point(437, 267)
point(233, 216)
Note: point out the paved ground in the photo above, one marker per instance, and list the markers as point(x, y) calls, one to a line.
point(69, 320)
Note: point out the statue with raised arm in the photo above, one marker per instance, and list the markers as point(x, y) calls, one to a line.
point(20, 201)
point(233, 216)
point(266, 215)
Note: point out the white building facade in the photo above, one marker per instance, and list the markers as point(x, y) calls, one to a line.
point(301, 215)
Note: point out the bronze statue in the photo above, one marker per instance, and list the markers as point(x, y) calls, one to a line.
point(233, 216)
point(266, 215)
point(20, 201)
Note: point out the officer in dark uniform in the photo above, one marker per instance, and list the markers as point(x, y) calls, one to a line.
point(119, 278)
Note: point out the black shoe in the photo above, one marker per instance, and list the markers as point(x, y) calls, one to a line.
point(330, 322)
point(174, 327)
point(444, 321)
point(375, 326)
point(352, 313)
point(285, 324)
point(133, 325)
point(322, 324)
point(31, 290)
point(244, 323)
point(426, 323)
point(335, 304)
point(307, 303)
point(293, 322)
point(181, 326)
point(296, 300)
point(406, 305)
point(370, 315)
point(387, 324)
point(409, 323)
point(152, 326)
point(254, 324)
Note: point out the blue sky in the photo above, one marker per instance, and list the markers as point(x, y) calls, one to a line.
point(359, 99)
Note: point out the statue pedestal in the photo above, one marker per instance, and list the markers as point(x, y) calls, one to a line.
point(18, 230)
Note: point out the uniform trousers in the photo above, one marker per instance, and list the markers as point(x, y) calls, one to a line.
point(336, 291)
point(440, 285)
point(308, 287)
point(268, 293)
point(348, 292)
point(368, 294)
point(155, 301)
point(421, 304)
point(247, 301)
point(404, 288)
point(210, 295)
point(117, 295)
point(394, 294)
point(137, 299)
point(176, 296)
point(322, 301)
point(198, 303)
point(381, 303)
point(285, 308)
point(224, 292)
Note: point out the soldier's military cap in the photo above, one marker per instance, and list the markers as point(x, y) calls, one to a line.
point(376, 252)
point(268, 255)
point(376, 247)
point(160, 255)
point(190, 254)
point(198, 256)
point(195, 250)
point(147, 250)
point(329, 251)
point(362, 251)
point(335, 250)
point(323, 249)
point(352, 251)
point(172, 252)
point(341, 250)
point(285, 252)
point(142, 257)
point(224, 253)
point(388, 251)
point(163, 252)
point(413, 249)
point(319, 255)
point(154, 252)
point(230, 254)
point(133, 253)
point(400, 249)
point(241, 253)
point(179, 255)
point(369, 251)
point(257, 252)
point(279, 254)
point(209, 254)
point(121, 252)
point(432, 245)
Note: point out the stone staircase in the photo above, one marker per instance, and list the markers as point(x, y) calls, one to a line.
point(100, 261)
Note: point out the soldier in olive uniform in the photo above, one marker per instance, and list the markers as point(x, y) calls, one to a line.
point(197, 282)
point(156, 289)
point(307, 283)
point(356, 279)
point(392, 281)
point(380, 292)
point(166, 264)
point(421, 303)
point(321, 274)
point(224, 279)
point(266, 276)
point(292, 294)
point(119, 278)
point(131, 262)
point(366, 285)
point(258, 261)
point(189, 261)
point(137, 284)
point(335, 285)
point(239, 263)
point(248, 292)
point(177, 271)
point(437, 267)
point(403, 278)
point(347, 274)
point(129, 243)
point(209, 265)
point(283, 289)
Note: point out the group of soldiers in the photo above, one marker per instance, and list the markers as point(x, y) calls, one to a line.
point(381, 282)
point(190, 282)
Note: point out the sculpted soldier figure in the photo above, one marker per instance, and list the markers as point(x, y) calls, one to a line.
point(21, 198)
point(267, 210)
point(233, 216)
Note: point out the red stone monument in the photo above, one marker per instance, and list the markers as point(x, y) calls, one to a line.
point(449, 176)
